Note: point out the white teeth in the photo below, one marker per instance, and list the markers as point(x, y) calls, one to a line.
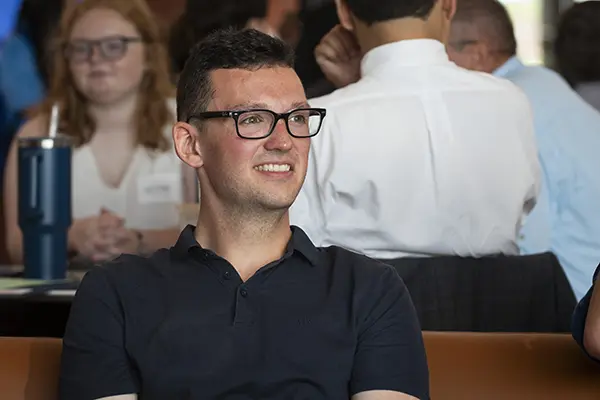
point(273, 167)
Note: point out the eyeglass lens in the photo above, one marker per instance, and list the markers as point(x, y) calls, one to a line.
point(110, 49)
point(257, 124)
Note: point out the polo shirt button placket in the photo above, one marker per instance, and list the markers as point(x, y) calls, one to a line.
point(243, 292)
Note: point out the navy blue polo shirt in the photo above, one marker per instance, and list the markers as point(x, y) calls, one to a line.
point(580, 314)
point(181, 324)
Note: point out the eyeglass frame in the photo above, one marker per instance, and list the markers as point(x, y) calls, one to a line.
point(235, 115)
point(97, 43)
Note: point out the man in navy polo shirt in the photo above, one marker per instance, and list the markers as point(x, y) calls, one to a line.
point(586, 321)
point(244, 306)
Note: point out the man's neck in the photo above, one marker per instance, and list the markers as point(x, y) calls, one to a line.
point(247, 240)
point(497, 62)
point(382, 33)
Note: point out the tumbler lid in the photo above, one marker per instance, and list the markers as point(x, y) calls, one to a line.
point(46, 142)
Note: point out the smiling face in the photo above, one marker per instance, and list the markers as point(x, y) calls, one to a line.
point(266, 173)
point(106, 56)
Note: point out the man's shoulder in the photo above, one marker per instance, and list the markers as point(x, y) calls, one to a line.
point(552, 97)
point(503, 94)
point(452, 79)
point(538, 81)
point(128, 270)
point(357, 265)
point(336, 97)
point(489, 83)
point(539, 72)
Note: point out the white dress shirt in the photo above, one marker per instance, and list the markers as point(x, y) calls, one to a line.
point(420, 157)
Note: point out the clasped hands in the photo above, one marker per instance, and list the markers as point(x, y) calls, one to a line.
point(103, 237)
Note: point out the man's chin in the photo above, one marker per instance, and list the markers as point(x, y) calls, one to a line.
point(277, 204)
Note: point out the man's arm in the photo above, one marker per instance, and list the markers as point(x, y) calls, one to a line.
point(591, 334)
point(586, 321)
point(95, 363)
point(390, 361)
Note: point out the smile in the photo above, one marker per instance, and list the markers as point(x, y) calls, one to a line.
point(273, 167)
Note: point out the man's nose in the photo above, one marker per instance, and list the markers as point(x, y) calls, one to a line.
point(280, 138)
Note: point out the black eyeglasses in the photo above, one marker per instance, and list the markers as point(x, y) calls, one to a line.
point(110, 48)
point(259, 124)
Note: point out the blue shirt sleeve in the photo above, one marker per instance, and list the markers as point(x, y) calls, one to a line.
point(9, 14)
point(580, 314)
point(21, 85)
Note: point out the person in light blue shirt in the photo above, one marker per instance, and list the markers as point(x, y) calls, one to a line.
point(21, 85)
point(566, 219)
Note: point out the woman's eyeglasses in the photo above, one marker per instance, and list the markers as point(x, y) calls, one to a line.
point(109, 48)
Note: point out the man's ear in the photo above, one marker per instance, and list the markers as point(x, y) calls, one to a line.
point(344, 15)
point(187, 146)
point(481, 56)
point(448, 9)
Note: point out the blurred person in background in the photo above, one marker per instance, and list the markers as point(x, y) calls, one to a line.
point(565, 220)
point(417, 157)
point(577, 49)
point(24, 66)
point(317, 17)
point(110, 79)
point(586, 320)
point(39, 20)
point(202, 17)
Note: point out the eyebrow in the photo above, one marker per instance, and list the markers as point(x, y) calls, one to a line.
point(249, 106)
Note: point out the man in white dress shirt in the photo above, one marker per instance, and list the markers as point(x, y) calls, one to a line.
point(416, 156)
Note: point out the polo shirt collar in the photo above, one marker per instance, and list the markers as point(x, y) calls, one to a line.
point(413, 52)
point(511, 66)
point(299, 242)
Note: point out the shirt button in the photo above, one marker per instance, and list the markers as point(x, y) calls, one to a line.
point(243, 293)
point(227, 275)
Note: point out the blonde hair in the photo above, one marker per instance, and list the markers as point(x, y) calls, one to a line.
point(152, 112)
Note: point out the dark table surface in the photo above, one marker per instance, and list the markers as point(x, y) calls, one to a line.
point(41, 311)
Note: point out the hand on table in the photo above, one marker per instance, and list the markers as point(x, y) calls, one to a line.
point(103, 237)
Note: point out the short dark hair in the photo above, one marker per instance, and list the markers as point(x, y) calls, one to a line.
point(491, 19)
point(372, 11)
point(226, 49)
point(577, 44)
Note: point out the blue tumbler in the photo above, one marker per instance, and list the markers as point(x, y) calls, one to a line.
point(45, 205)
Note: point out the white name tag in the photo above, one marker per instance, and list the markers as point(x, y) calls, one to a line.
point(159, 188)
